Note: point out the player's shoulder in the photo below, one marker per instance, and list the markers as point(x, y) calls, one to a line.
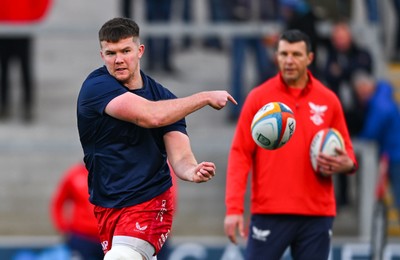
point(100, 79)
point(97, 75)
point(100, 83)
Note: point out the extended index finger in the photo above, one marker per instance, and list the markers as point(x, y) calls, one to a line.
point(230, 98)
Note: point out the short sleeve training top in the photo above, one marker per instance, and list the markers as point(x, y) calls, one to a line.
point(127, 163)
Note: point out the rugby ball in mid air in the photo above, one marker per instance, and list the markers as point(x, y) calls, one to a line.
point(325, 141)
point(273, 125)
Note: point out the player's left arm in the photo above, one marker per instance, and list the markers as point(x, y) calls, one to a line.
point(183, 161)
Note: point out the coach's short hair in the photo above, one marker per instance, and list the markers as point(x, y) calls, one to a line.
point(293, 36)
point(117, 29)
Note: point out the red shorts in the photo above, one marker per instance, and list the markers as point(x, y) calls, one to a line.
point(150, 221)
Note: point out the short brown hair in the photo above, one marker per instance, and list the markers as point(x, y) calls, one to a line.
point(117, 29)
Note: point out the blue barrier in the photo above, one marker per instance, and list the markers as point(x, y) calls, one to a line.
point(198, 251)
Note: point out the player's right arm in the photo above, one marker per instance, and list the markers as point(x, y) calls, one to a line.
point(145, 113)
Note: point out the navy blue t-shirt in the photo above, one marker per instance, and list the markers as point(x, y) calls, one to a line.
point(127, 163)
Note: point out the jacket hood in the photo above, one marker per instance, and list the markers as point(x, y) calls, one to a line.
point(383, 92)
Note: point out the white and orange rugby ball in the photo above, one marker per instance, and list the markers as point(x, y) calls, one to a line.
point(325, 141)
point(273, 125)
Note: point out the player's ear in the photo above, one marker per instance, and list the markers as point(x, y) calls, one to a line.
point(101, 51)
point(141, 49)
point(310, 57)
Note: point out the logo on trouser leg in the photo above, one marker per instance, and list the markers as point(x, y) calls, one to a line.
point(260, 234)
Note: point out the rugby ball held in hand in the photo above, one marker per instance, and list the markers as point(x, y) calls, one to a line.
point(273, 125)
point(325, 141)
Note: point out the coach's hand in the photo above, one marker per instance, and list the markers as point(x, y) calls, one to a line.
point(231, 223)
point(340, 163)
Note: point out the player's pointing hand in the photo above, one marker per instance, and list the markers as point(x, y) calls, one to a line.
point(219, 98)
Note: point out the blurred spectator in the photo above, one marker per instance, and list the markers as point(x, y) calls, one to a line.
point(20, 12)
point(245, 11)
point(372, 10)
point(299, 14)
point(343, 8)
point(217, 14)
point(73, 215)
point(187, 17)
point(159, 48)
point(126, 8)
point(270, 10)
point(18, 47)
point(344, 58)
point(382, 123)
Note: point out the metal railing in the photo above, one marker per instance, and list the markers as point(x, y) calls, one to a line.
point(368, 172)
